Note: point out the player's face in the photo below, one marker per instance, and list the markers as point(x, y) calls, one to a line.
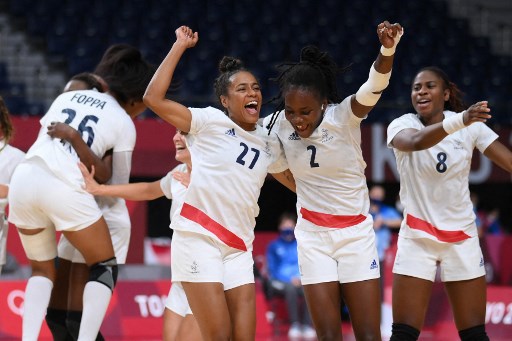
point(182, 152)
point(243, 101)
point(303, 110)
point(428, 94)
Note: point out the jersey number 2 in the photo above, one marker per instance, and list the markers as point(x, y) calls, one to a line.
point(312, 162)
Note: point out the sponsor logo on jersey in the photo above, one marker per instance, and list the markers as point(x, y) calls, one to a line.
point(482, 262)
point(458, 144)
point(230, 132)
point(374, 265)
point(294, 136)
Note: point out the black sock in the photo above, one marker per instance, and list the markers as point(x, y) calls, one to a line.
point(404, 332)
point(73, 320)
point(476, 333)
point(56, 321)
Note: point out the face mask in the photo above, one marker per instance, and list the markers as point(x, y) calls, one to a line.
point(376, 202)
point(287, 234)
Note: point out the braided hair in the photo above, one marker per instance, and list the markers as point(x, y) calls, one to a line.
point(228, 66)
point(5, 123)
point(316, 71)
point(455, 102)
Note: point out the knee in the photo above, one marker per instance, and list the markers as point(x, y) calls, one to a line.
point(104, 272)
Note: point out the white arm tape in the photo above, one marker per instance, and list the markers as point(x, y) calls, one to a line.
point(369, 93)
point(121, 167)
point(454, 123)
point(391, 51)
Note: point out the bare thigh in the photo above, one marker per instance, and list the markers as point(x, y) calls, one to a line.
point(468, 312)
point(209, 305)
point(189, 330)
point(364, 305)
point(324, 304)
point(93, 242)
point(172, 324)
point(242, 310)
point(79, 276)
point(411, 297)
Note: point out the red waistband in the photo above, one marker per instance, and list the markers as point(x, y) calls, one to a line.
point(444, 236)
point(198, 216)
point(331, 220)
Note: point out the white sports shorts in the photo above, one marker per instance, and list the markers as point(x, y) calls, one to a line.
point(177, 300)
point(199, 258)
point(419, 257)
point(37, 199)
point(120, 241)
point(343, 255)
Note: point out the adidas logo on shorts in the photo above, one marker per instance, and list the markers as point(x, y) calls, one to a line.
point(230, 132)
point(294, 136)
point(374, 265)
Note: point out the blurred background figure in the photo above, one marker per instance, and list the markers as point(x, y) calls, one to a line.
point(284, 277)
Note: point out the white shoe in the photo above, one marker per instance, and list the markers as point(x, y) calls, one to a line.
point(308, 332)
point(294, 332)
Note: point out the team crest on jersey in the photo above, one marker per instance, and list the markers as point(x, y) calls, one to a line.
point(458, 144)
point(294, 136)
point(230, 132)
point(266, 150)
point(325, 135)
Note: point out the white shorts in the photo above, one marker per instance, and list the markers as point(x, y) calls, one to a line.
point(344, 255)
point(37, 198)
point(199, 258)
point(120, 241)
point(177, 300)
point(419, 257)
point(4, 228)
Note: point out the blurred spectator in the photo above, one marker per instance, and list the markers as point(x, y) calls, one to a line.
point(284, 277)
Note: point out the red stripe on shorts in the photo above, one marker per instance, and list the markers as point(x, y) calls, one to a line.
point(198, 216)
point(444, 236)
point(331, 220)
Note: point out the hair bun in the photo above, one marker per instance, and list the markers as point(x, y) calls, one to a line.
point(228, 64)
point(311, 54)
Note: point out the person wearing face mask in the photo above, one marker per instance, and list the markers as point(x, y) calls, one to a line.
point(284, 276)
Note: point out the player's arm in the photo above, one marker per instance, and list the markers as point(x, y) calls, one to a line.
point(286, 179)
point(409, 140)
point(173, 112)
point(500, 155)
point(135, 191)
point(380, 72)
point(72, 136)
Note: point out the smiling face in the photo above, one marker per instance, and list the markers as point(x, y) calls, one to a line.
point(243, 101)
point(180, 144)
point(428, 96)
point(304, 110)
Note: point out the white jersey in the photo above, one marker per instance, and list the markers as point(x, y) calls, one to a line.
point(102, 122)
point(328, 168)
point(10, 157)
point(434, 182)
point(230, 166)
point(173, 189)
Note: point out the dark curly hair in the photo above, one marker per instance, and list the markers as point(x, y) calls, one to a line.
point(126, 73)
point(228, 66)
point(316, 71)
